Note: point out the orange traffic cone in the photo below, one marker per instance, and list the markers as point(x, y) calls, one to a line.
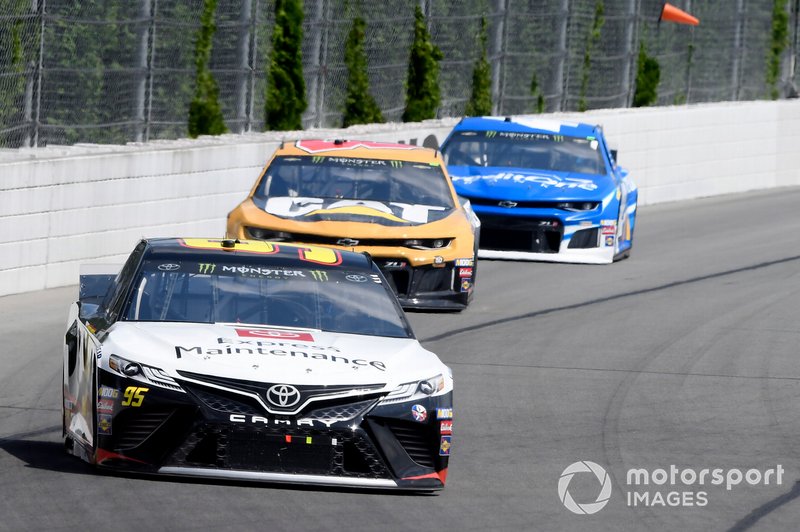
point(673, 14)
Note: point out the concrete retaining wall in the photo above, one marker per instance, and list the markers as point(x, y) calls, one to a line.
point(63, 206)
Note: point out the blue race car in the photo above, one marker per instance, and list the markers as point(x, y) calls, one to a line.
point(543, 190)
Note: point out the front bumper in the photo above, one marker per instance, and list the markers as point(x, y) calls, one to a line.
point(547, 238)
point(210, 431)
point(444, 287)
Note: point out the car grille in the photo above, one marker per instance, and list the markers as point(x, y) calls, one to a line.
point(583, 239)
point(510, 233)
point(408, 281)
point(280, 450)
point(133, 426)
point(228, 401)
point(417, 440)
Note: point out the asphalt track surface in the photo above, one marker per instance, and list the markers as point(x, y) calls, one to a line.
point(688, 353)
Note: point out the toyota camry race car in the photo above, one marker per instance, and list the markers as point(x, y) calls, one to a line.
point(543, 190)
point(394, 201)
point(252, 360)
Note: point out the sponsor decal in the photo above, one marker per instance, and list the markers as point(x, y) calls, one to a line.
point(314, 146)
point(446, 427)
point(608, 222)
point(609, 229)
point(419, 413)
point(609, 240)
point(319, 275)
point(394, 264)
point(465, 262)
point(206, 268)
point(169, 267)
point(134, 396)
point(292, 423)
point(585, 223)
point(275, 334)
point(283, 395)
point(294, 207)
point(356, 278)
point(445, 445)
point(466, 284)
point(544, 181)
point(228, 346)
point(465, 272)
point(105, 406)
point(107, 392)
point(255, 271)
point(444, 413)
point(375, 278)
point(104, 424)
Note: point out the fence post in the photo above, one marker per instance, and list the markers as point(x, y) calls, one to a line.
point(42, 8)
point(788, 88)
point(141, 67)
point(631, 54)
point(253, 63)
point(738, 50)
point(151, 64)
point(316, 66)
point(559, 80)
point(496, 56)
point(244, 65)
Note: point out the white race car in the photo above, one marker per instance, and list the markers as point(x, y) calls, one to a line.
point(253, 360)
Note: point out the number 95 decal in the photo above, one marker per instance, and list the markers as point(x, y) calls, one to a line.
point(133, 396)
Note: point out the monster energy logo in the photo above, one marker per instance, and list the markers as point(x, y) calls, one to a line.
point(397, 164)
point(317, 159)
point(319, 275)
point(204, 267)
point(491, 134)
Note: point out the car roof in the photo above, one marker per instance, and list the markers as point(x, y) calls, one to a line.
point(255, 252)
point(360, 149)
point(528, 124)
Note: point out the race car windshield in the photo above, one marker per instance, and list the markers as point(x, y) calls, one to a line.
point(326, 299)
point(541, 151)
point(379, 180)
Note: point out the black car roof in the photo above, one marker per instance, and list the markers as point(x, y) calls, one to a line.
point(255, 252)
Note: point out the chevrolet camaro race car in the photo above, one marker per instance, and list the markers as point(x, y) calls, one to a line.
point(394, 201)
point(543, 190)
point(255, 361)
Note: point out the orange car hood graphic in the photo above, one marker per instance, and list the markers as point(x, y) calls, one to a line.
point(313, 209)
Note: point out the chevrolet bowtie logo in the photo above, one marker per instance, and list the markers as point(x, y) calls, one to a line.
point(508, 204)
point(347, 242)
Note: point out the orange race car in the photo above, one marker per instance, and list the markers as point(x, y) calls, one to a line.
point(394, 201)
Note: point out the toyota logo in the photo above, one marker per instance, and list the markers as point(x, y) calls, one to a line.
point(508, 204)
point(347, 242)
point(283, 395)
point(169, 267)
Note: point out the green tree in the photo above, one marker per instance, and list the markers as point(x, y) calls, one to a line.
point(360, 106)
point(286, 87)
point(205, 113)
point(480, 102)
point(422, 84)
point(536, 92)
point(779, 39)
point(648, 74)
point(591, 42)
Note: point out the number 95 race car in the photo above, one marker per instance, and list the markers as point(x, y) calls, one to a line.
point(253, 360)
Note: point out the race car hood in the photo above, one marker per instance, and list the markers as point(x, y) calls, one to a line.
point(257, 353)
point(525, 184)
point(348, 210)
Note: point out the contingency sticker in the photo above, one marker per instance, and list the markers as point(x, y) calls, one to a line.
point(445, 445)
